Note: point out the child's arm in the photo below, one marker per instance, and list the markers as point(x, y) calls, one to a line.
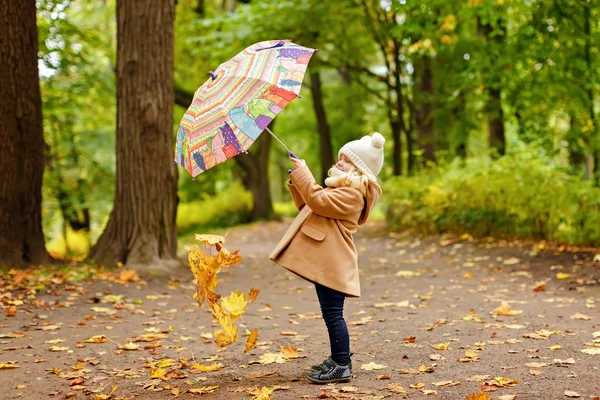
point(298, 200)
point(336, 204)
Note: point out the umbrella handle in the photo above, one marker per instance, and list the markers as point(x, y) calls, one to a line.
point(280, 142)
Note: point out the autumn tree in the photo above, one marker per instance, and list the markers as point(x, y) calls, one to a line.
point(21, 137)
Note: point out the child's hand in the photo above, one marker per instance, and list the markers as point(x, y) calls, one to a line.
point(296, 163)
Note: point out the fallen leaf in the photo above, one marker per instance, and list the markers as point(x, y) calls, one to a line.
point(555, 347)
point(404, 303)
point(580, 316)
point(208, 368)
point(481, 395)
point(104, 310)
point(562, 275)
point(262, 394)
point(57, 349)
point(417, 385)
point(540, 287)
point(372, 366)
point(128, 275)
point(8, 366)
point(571, 394)
point(446, 383)
point(130, 346)
point(252, 339)
point(269, 358)
point(253, 294)
point(349, 389)
point(502, 381)
point(204, 389)
point(382, 377)
point(442, 346)
point(505, 310)
point(593, 351)
point(289, 352)
point(407, 274)
point(429, 392)
point(288, 333)
point(11, 311)
point(156, 373)
point(105, 396)
point(97, 339)
point(395, 388)
point(54, 341)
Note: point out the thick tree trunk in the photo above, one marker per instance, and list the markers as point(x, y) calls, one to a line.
point(21, 137)
point(141, 229)
point(424, 107)
point(325, 147)
point(255, 166)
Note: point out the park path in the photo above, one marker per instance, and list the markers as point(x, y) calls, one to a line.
point(425, 318)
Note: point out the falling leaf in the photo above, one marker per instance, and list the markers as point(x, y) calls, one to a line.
point(8, 366)
point(105, 396)
point(204, 389)
point(253, 294)
point(262, 394)
point(442, 346)
point(505, 310)
point(593, 351)
point(562, 275)
point(234, 304)
point(571, 394)
point(580, 316)
point(208, 368)
point(289, 352)
point(252, 339)
point(210, 239)
point(481, 395)
point(372, 366)
point(97, 339)
point(395, 388)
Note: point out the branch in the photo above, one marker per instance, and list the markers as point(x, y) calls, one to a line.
point(183, 98)
point(378, 39)
point(370, 90)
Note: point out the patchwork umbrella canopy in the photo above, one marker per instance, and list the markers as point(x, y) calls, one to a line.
point(239, 100)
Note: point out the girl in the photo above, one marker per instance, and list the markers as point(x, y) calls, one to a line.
point(319, 247)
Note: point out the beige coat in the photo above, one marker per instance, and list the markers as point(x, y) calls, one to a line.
point(318, 246)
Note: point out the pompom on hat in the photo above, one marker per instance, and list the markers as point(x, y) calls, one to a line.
point(366, 153)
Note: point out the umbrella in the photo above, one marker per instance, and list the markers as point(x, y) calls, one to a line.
point(235, 105)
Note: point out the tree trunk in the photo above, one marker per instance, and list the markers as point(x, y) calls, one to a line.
point(255, 166)
point(21, 137)
point(327, 159)
point(141, 230)
point(495, 117)
point(424, 118)
point(593, 159)
point(397, 156)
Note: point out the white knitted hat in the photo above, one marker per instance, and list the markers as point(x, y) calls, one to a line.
point(366, 154)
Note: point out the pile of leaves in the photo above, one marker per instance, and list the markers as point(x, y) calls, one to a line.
point(226, 310)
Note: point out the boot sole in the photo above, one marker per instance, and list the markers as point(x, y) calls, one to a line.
point(323, 382)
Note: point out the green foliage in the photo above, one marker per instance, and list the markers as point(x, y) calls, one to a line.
point(227, 208)
point(524, 194)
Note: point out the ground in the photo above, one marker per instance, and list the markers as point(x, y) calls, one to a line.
point(418, 294)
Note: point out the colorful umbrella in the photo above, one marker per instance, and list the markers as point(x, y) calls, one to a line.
point(235, 105)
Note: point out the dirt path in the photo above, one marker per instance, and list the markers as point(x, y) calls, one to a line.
point(416, 294)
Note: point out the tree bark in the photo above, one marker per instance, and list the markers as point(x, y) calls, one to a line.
point(21, 137)
point(424, 119)
point(255, 166)
point(495, 114)
point(325, 146)
point(141, 230)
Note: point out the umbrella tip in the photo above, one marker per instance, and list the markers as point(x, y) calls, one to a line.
point(213, 75)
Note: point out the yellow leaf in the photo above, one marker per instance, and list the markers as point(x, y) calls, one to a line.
point(8, 366)
point(270, 358)
point(208, 368)
point(502, 381)
point(289, 352)
point(56, 349)
point(262, 394)
point(130, 346)
point(210, 239)
point(372, 366)
point(156, 373)
point(505, 310)
point(442, 346)
point(54, 341)
point(562, 275)
point(580, 316)
point(97, 339)
point(395, 388)
point(105, 396)
point(418, 385)
point(592, 351)
point(446, 383)
point(251, 342)
point(481, 395)
point(382, 377)
point(471, 353)
point(235, 304)
point(204, 389)
point(555, 347)
point(253, 294)
point(175, 391)
point(128, 275)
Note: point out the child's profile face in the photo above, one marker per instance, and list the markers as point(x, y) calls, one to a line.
point(344, 164)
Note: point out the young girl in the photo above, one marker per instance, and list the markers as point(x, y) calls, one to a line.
point(319, 247)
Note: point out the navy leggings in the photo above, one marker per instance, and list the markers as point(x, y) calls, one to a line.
point(332, 308)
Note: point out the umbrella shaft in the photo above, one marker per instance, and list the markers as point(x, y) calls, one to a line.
point(276, 138)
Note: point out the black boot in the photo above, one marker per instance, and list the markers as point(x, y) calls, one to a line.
point(330, 372)
point(322, 367)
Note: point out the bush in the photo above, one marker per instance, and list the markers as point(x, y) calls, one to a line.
point(523, 194)
point(227, 208)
